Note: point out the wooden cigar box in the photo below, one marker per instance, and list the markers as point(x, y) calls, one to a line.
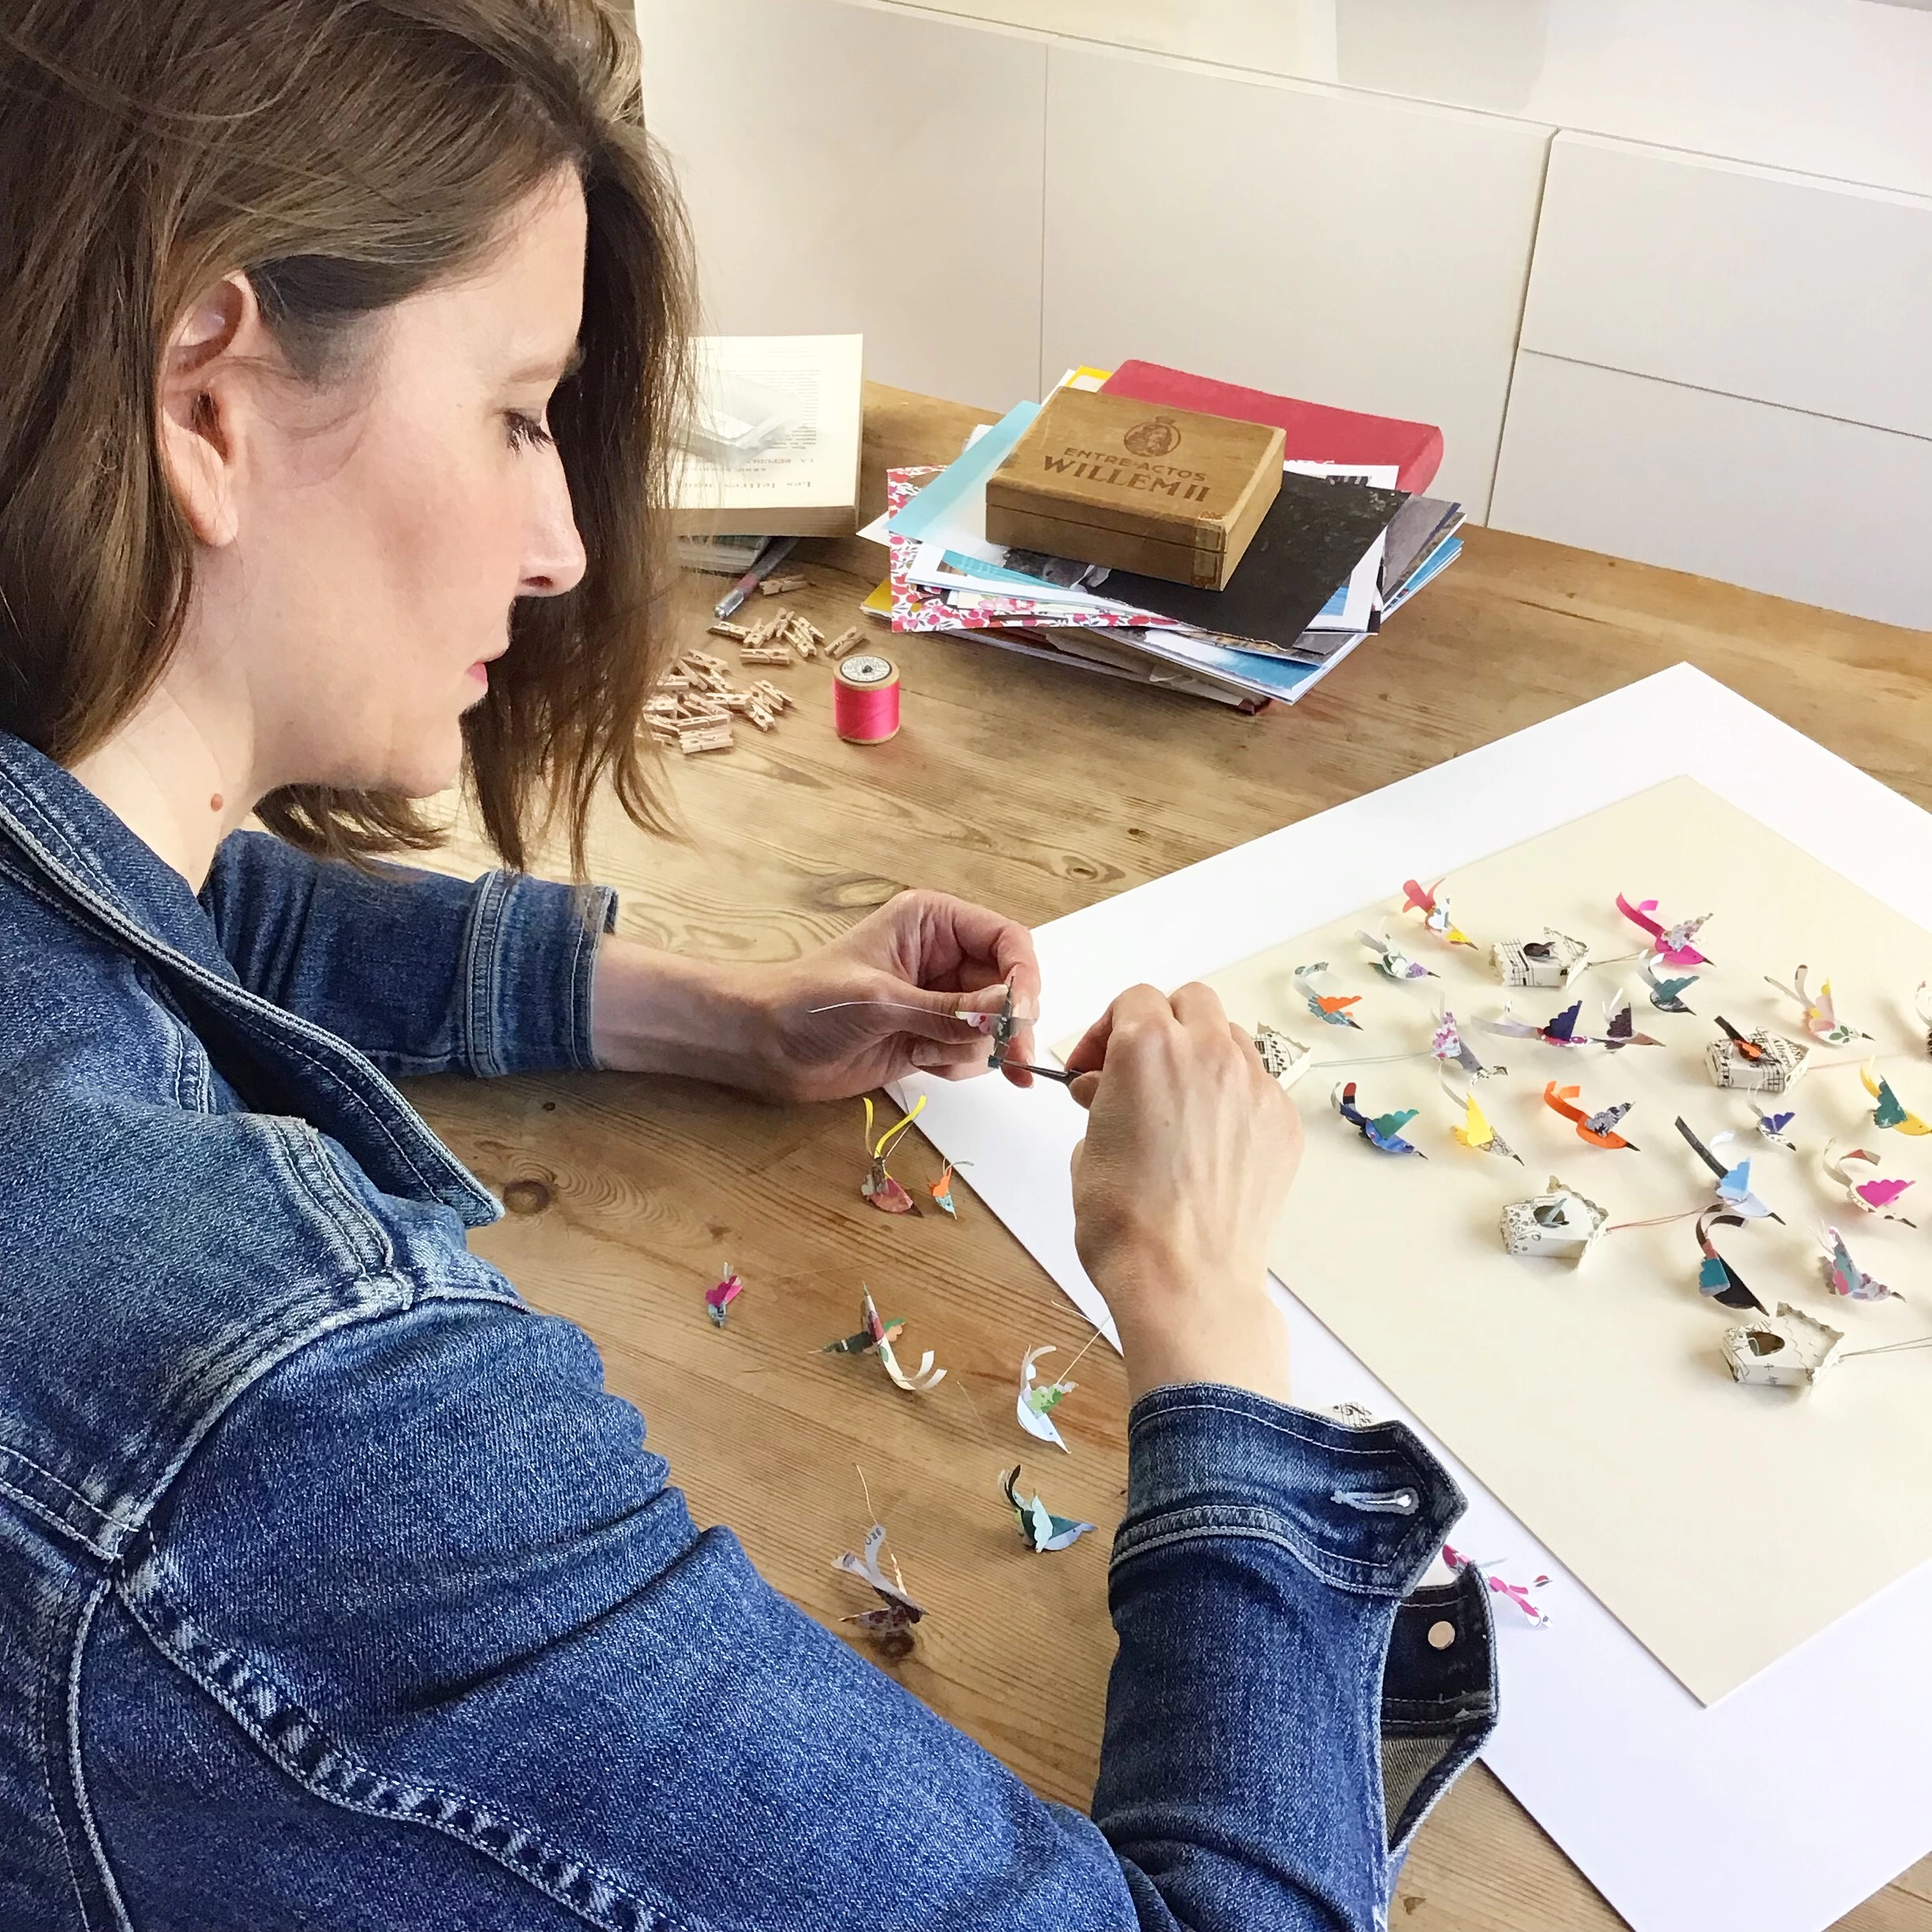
point(1165, 492)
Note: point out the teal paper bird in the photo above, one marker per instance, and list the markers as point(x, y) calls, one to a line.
point(1383, 1130)
point(1043, 1530)
point(1666, 994)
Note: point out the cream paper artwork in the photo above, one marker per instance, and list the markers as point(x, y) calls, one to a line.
point(1602, 1381)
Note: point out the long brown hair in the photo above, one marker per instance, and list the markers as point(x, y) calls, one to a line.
point(343, 154)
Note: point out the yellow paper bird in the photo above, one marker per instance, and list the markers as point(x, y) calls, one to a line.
point(1477, 1133)
point(1889, 1112)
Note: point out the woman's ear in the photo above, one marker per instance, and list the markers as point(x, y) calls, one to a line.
point(204, 402)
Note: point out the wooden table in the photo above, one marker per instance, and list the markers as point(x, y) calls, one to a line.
point(1038, 790)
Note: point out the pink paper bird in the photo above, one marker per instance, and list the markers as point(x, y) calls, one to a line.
point(1875, 1197)
point(1821, 1020)
point(1670, 945)
point(1517, 1594)
point(1843, 1275)
point(717, 1300)
point(1434, 909)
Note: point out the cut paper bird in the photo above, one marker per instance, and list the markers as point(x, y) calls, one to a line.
point(717, 1300)
point(1382, 1131)
point(1449, 1047)
point(1517, 1594)
point(1821, 1020)
point(876, 1338)
point(1560, 1030)
point(1038, 1399)
point(1600, 1128)
point(1042, 1529)
point(1889, 1113)
point(1716, 1279)
point(1876, 1196)
point(879, 1187)
point(897, 1610)
point(1476, 1134)
point(1433, 904)
point(1771, 1126)
point(1619, 1028)
point(1331, 1008)
point(1667, 995)
point(1669, 945)
point(1744, 1049)
point(1391, 961)
point(1843, 1275)
point(1921, 1005)
point(1734, 1183)
point(942, 1191)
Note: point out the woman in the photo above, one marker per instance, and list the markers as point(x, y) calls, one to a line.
point(341, 337)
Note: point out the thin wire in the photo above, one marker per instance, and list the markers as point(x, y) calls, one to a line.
point(1076, 1362)
point(1371, 1060)
point(1657, 1221)
point(1889, 1348)
point(898, 1576)
point(838, 1006)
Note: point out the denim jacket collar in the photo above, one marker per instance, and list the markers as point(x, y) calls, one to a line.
point(114, 882)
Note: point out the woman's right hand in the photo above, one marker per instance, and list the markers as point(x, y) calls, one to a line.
point(1189, 1150)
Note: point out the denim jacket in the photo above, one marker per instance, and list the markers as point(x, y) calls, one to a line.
point(336, 1591)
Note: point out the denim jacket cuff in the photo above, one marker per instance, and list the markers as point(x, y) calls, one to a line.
point(528, 957)
point(1365, 1508)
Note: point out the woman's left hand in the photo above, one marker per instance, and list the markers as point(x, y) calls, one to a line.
point(881, 1001)
point(874, 1004)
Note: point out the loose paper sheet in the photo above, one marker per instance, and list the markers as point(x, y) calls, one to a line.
point(1722, 1524)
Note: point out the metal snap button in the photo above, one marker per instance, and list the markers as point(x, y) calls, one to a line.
point(1442, 1635)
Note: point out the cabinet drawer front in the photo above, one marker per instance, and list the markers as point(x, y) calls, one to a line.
point(1779, 288)
point(1805, 507)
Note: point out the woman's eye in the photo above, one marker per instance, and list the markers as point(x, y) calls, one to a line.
point(526, 432)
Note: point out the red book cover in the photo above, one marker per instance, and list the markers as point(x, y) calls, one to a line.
point(1315, 432)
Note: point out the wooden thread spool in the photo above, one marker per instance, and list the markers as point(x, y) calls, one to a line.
point(865, 699)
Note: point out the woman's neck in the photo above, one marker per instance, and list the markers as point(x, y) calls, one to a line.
point(162, 775)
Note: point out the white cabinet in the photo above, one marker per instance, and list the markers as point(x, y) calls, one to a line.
point(1804, 506)
point(852, 170)
point(1778, 287)
point(1724, 368)
point(1353, 250)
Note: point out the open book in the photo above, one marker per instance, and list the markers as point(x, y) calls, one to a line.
point(773, 448)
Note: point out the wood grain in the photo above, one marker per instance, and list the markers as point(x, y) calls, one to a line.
point(1037, 790)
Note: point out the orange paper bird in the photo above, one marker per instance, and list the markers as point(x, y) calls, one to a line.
point(1331, 1008)
point(1434, 910)
point(1598, 1129)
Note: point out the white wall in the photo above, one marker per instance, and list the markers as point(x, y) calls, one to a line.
point(1291, 239)
point(854, 170)
point(1691, 358)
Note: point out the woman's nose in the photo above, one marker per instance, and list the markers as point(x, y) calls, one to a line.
point(554, 562)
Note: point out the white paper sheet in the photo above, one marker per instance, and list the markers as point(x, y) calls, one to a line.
point(1790, 1801)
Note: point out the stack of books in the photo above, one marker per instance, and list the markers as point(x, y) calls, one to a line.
point(1350, 538)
